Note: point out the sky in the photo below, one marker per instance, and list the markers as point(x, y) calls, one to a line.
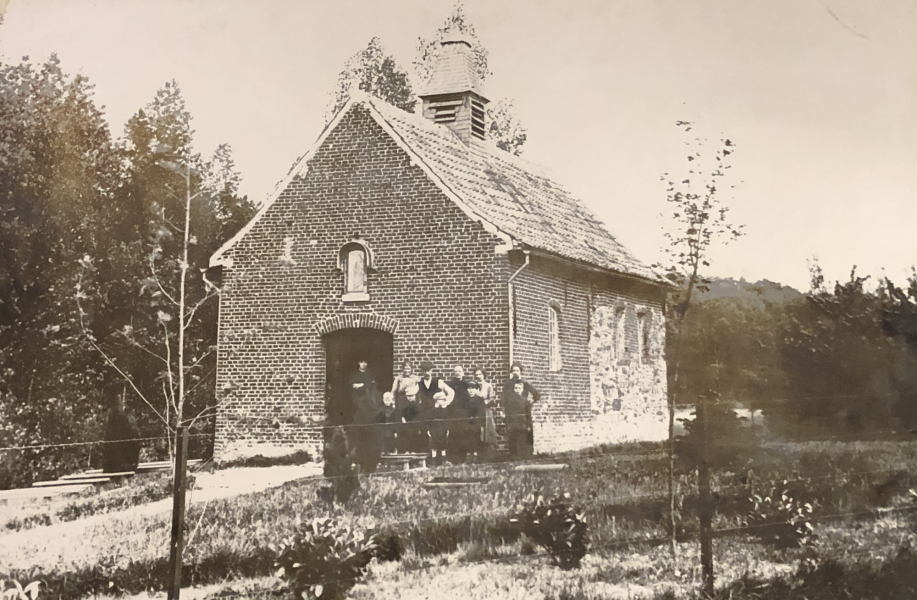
point(819, 96)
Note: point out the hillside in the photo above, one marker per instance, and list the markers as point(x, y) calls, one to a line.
point(763, 290)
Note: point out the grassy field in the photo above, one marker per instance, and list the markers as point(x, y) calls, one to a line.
point(458, 540)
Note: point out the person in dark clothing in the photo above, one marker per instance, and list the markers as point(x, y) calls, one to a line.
point(388, 419)
point(365, 408)
point(429, 385)
point(438, 426)
point(412, 436)
point(530, 392)
point(461, 424)
point(362, 388)
point(518, 421)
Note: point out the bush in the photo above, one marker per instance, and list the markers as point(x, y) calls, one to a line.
point(781, 519)
point(389, 547)
point(729, 443)
point(340, 468)
point(324, 560)
point(556, 526)
point(121, 451)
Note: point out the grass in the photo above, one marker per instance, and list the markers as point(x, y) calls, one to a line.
point(623, 496)
point(112, 497)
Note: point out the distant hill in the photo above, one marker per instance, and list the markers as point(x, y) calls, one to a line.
point(764, 290)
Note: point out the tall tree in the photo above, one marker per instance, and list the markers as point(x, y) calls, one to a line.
point(504, 127)
point(157, 327)
point(373, 71)
point(57, 174)
point(847, 359)
point(699, 219)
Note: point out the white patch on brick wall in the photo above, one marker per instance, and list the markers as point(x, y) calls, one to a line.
point(628, 393)
point(287, 256)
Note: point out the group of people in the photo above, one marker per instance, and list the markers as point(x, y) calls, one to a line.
point(449, 419)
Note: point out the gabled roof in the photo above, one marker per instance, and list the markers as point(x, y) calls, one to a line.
point(508, 195)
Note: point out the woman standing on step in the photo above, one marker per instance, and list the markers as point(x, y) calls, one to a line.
point(484, 398)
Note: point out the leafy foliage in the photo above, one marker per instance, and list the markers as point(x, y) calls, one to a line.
point(781, 519)
point(18, 592)
point(340, 467)
point(555, 525)
point(428, 50)
point(83, 215)
point(699, 217)
point(730, 444)
point(845, 371)
point(376, 73)
point(324, 559)
point(504, 127)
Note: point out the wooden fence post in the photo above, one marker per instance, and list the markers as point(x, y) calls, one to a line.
point(178, 512)
point(705, 502)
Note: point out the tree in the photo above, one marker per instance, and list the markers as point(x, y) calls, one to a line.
point(158, 331)
point(427, 51)
point(504, 127)
point(698, 220)
point(57, 166)
point(374, 72)
point(848, 360)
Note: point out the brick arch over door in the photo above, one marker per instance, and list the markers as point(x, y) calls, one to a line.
point(356, 320)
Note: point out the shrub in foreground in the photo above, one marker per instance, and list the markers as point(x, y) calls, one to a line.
point(780, 519)
point(17, 592)
point(556, 526)
point(324, 560)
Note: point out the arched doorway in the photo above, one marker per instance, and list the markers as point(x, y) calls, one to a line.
point(344, 349)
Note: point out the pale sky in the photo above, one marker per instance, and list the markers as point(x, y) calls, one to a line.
point(819, 95)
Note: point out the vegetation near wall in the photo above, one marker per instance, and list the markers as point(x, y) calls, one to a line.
point(823, 363)
point(87, 217)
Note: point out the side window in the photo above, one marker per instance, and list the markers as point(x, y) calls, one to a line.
point(554, 338)
point(620, 339)
point(643, 336)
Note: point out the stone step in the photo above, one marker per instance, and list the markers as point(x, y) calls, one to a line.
point(162, 465)
point(404, 461)
point(62, 483)
point(542, 467)
point(95, 473)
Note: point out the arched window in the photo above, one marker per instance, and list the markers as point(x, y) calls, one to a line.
point(355, 275)
point(554, 337)
point(355, 261)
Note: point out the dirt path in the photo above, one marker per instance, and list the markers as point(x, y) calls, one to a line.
point(62, 543)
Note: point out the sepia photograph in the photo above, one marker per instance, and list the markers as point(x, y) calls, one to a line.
point(457, 299)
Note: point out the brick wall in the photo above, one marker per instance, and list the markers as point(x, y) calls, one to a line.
point(596, 396)
point(437, 284)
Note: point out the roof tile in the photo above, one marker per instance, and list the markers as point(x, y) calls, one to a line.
point(510, 194)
